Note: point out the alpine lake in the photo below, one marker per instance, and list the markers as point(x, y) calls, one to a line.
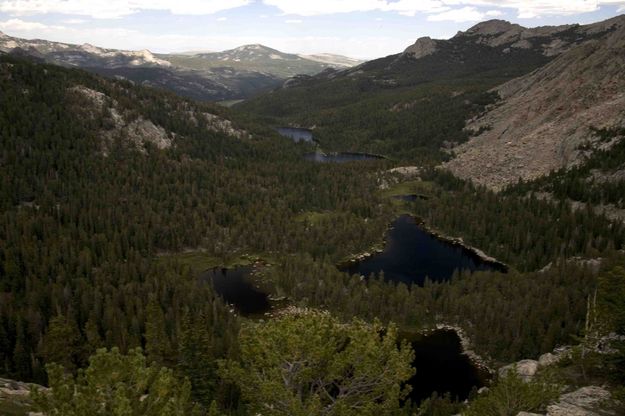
point(411, 255)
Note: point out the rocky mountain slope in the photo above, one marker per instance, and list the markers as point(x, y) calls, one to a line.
point(263, 59)
point(545, 120)
point(336, 61)
point(548, 40)
point(234, 74)
point(414, 105)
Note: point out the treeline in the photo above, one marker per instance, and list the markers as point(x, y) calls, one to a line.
point(599, 179)
point(508, 316)
point(84, 223)
point(406, 124)
point(81, 228)
point(524, 232)
point(405, 108)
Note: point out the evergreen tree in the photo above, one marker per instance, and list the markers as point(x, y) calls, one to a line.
point(115, 385)
point(311, 364)
point(62, 344)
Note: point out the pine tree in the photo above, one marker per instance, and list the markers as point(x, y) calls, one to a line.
point(157, 343)
point(62, 344)
point(195, 359)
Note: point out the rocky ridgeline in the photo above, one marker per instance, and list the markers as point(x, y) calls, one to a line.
point(546, 117)
point(549, 41)
point(422, 47)
point(140, 131)
point(82, 55)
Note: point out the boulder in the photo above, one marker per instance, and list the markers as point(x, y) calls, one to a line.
point(548, 359)
point(13, 388)
point(582, 402)
point(525, 368)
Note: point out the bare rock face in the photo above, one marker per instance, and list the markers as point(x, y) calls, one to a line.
point(548, 359)
point(141, 131)
point(218, 124)
point(526, 369)
point(494, 32)
point(583, 402)
point(545, 116)
point(500, 32)
point(548, 40)
point(422, 47)
point(14, 388)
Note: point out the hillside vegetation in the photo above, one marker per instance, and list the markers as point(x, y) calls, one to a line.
point(115, 196)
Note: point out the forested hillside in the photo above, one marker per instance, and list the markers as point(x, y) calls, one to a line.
point(413, 105)
point(108, 189)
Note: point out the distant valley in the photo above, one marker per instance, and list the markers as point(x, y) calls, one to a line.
point(229, 75)
point(436, 232)
point(526, 100)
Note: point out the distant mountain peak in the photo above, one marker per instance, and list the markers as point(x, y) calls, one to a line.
point(550, 40)
point(254, 47)
point(422, 47)
point(494, 27)
point(87, 47)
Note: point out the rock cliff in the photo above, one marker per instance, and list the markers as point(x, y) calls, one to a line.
point(545, 116)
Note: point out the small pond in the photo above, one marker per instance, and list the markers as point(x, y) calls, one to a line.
point(442, 367)
point(340, 157)
point(296, 134)
point(235, 287)
point(410, 197)
point(411, 254)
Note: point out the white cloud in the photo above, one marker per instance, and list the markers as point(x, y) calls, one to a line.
point(466, 14)
point(319, 7)
point(118, 38)
point(493, 13)
point(117, 8)
point(537, 8)
point(524, 8)
point(222, 19)
point(293, 21)
point(74, 21)
point(19, 25)
point(121, 8)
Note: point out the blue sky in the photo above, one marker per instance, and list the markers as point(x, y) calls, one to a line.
point(358, 28)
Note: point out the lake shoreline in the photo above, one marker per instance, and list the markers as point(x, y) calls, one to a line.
point(466, 343)
point(454, 241)
point(459, 242)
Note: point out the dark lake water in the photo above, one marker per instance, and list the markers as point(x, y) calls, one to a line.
point(411, 254)
point(442, 367)
point(234, 286)
point(340, 157)
point(296, 134)
point(410, 197)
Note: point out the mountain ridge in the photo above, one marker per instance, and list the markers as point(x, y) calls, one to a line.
point(201, 76)
point(502, 33)
point(547, 117)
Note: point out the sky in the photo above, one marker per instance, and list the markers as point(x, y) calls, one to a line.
point(358, 28)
